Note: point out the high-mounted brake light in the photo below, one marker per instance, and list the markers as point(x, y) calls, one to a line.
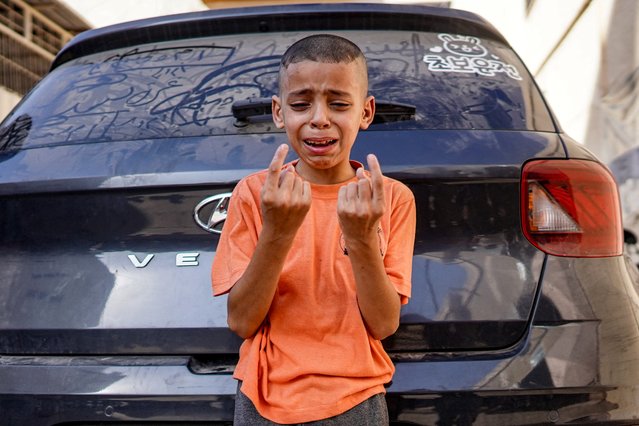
point(571, 208)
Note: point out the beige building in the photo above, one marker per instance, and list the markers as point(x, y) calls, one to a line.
point(31, 33)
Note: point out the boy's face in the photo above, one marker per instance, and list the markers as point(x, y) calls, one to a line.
point(322, 108)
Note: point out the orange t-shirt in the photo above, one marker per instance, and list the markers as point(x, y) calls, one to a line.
point(313, 358)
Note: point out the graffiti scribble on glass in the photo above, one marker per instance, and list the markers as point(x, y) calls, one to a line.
point(187, 88)
point(176, 88)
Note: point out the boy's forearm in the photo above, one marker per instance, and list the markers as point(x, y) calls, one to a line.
point(285, 199)
point(250, 298)
point(378, 300)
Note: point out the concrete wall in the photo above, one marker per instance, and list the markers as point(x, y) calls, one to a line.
point(8, 100)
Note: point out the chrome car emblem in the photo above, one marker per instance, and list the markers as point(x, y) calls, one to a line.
point(181, 259)
point(216, 216)
point(141, 264)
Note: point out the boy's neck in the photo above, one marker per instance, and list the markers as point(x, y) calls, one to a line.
point(330, 176)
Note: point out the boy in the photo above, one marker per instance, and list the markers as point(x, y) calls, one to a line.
point(316, 254)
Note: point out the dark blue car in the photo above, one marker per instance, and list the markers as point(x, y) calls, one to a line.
point(115, 174)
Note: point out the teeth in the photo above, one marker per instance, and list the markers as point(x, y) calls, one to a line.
point(320, 143)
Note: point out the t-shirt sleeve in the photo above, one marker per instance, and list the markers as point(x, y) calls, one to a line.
point(398, 260)
point(237, 241)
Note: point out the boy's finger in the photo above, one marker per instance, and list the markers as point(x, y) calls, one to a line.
point(361, 174)
point(364, 190)
point(286, 179)
point(377, 179)
point(274, 169)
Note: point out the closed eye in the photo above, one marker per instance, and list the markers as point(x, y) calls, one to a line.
point(299, 106)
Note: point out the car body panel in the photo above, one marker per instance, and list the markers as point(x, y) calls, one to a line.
point(478, 277)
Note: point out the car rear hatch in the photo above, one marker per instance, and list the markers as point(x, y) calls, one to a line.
point(114, 170)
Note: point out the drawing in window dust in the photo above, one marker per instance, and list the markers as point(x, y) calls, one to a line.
point(181, 91)
point(13, 135)
point(467, 55)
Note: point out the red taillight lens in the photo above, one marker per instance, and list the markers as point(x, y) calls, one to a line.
point(571, 208)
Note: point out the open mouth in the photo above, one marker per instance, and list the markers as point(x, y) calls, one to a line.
point(318, 143)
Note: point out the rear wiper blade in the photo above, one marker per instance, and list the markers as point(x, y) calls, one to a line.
point(388, 112)
point(255, 110)
point(251, 110)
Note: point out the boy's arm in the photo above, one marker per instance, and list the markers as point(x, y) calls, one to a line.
point(285, 200)
point(359, 207)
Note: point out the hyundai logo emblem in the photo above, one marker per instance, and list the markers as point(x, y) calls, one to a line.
point(213, 210)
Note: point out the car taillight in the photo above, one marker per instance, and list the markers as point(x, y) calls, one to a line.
point(571, 208)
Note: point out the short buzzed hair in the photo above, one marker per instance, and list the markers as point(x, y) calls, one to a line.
point(326, 48)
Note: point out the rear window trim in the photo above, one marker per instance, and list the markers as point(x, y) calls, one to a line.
point(278, 19)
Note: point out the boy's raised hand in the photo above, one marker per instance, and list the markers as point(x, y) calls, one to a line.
point(286, 197)
point(361, 204)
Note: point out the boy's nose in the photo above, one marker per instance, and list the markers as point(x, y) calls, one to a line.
point(320, 118)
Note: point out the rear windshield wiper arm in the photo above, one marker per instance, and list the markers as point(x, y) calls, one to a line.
point(259, 110)
point(388, 112)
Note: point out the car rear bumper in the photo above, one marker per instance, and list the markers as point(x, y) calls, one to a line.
point(552, 378)
point(578, 363)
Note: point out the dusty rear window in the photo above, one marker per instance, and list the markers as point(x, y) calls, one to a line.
point(187, 88)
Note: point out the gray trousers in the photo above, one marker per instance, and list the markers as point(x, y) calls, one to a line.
point(372, 412)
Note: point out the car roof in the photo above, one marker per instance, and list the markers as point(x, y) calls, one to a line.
point(298, 17)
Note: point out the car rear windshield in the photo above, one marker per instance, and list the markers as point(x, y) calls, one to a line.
point(188, 88)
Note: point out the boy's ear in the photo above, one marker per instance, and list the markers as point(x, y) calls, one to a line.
point(276, 108)
point(368, 113)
